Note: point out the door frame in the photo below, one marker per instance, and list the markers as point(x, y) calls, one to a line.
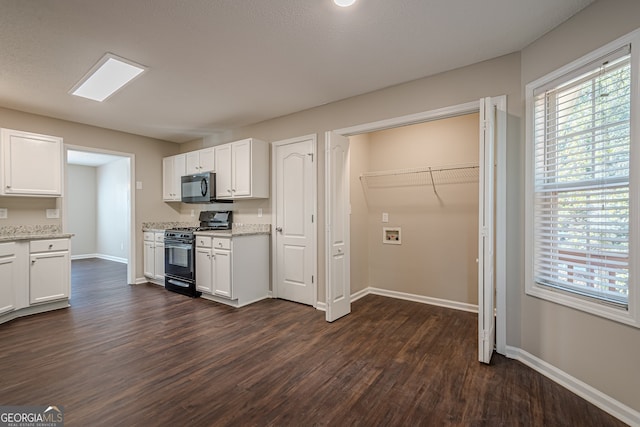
point(131, 260)
point(314, 230)
point(500, 191)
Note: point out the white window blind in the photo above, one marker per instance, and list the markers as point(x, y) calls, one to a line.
point(581, 133)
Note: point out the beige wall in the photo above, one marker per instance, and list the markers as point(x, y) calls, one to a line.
point(600, 352)
point(148, 168)
point(437, 257)
point(359, 148)
point(499, 76)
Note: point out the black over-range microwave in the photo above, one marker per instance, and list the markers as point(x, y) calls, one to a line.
point(200, 188)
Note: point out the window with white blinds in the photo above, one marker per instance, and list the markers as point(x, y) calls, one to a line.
point(580, 166)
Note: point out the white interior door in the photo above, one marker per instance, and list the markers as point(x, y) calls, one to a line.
point(295, 196)
point(338, 286)
point(486, 285)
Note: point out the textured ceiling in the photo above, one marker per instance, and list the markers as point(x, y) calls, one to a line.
point(219, 64)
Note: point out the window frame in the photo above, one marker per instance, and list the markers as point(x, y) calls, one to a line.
point(629, 315)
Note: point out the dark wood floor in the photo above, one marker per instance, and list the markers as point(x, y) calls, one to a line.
point(140, 356)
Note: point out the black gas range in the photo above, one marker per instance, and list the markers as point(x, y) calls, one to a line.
point(179, 251)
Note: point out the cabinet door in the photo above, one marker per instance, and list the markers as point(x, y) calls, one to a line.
point(159, 261)
point(223, 171)
point(173, 168)
point(179, 170)
point(222, 282)
point(207, 160)
point(204, 269)
point(149, 259)
point(49, 276)
point(32, 164)
point(192, 163)
point(241, 168)
point(167, 179)
point(9, 279)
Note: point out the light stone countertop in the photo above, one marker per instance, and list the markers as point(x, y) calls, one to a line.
point(238, 229)
point(12, 233)
point(161, 226)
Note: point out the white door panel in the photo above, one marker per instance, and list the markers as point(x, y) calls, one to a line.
point(337, 208)
point(486, 285)
point(295, 194)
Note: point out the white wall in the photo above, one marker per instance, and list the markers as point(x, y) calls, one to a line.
point(81, 206)
point(113, 192)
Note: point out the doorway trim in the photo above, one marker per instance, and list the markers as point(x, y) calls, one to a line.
point(501, 184)
point(314, 245)
point(131, 260)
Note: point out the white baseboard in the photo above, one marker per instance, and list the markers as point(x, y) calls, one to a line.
point(608, 404)
point(101, 256)
point(472, 308)
point(322, 306)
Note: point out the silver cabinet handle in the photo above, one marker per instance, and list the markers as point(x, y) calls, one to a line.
point(279, 229)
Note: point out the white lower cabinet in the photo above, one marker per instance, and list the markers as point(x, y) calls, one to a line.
point(222, 283)
point(154, 256)
point(9, 275)
point(49, 270)
point(205, 265)
point(35, 276)
point(233, 271)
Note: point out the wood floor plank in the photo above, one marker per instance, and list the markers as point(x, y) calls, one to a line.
point(141, 356)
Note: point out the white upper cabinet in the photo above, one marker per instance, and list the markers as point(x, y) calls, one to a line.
point(242, 170)
point(201, 161)
point(223, 171)
point(32, 164)
point(173, 168)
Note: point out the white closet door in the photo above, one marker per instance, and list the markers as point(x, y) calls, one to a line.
point(486, 285)
point(338, 286)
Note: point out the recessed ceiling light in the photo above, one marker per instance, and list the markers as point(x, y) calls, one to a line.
point(344, 3)
point(106, 77)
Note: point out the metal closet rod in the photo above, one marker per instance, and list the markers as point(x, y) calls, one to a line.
point(429, 169)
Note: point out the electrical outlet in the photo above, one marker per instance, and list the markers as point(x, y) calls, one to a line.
point(193, 213)
point(385, 217)
point(259, 212)
point(53, 213)
point(3, 213)
point(138, 185)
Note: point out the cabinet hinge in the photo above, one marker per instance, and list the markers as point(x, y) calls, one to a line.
point(312, 279)
point(311, 219)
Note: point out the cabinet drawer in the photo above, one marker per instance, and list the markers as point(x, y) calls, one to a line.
point(7, 249)
point(221, 243)
point(148, 236)
point(159, 237)
point(203, 241)
point(49, 245)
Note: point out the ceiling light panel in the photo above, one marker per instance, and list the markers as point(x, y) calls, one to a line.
point(106, 77)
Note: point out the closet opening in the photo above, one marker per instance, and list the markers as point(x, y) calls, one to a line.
point(415, 209)
point(414, 212)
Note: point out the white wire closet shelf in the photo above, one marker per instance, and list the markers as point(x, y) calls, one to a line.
point(428, 175)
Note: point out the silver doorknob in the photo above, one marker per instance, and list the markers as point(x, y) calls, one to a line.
point(279, 229)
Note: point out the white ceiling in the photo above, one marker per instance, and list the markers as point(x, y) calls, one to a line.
point(219, 64)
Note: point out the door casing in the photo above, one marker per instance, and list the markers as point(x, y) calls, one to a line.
point(500, 192)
